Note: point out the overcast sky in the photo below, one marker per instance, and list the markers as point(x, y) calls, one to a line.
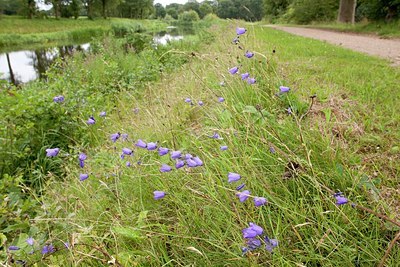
point(167, 2)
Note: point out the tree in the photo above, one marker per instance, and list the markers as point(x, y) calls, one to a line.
point(276, 8)
point(347, 11)
point(75, 8)
point(56, 7)
point(89, 6)
point(30, 8)
point(159, 11)
point(205, 9)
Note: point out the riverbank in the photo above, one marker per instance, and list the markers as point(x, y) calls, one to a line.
point(18, 31)
point(310, 120)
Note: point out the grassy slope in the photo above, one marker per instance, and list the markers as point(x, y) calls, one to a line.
point(200, 220)
point(22, 31)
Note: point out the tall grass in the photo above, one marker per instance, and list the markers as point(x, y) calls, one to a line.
point(296, 160)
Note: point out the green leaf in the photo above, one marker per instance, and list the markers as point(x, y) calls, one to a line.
point(130, 233)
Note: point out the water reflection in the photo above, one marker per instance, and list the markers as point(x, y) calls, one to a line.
point(24, 66)
point(173, 34)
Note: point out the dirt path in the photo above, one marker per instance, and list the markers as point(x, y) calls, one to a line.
point(373, 45)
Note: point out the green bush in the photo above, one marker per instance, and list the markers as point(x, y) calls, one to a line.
point(307, 11)
point(122, 29)
point(188, 16)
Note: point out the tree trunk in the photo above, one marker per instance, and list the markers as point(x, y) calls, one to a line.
point(12, 77)
point(31, 8)
point(104, 9)
point(347, 10)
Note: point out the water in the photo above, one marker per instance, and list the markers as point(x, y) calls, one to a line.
point(27, 65)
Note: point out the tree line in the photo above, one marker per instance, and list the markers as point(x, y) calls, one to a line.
point(307, 11)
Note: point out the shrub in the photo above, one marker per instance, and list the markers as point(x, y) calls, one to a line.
point(189, 16)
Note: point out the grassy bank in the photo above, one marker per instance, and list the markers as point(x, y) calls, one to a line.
point(339, 141)
point(387, 30)
point(17, 31)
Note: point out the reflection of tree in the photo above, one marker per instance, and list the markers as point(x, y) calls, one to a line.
point(13, 79)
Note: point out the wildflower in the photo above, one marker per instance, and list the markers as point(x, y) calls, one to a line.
point(188, 156)
point(188, 100)
point(240, 31)
point(176, 154)
point(179, 164)
point(289, 110)
point(141, 144)
point(245, 75)
point(216, 136)
point(127, 151)
point(91, 120)
point(235, 40)
point(270, 244)
point(249, 54)
point(252, 231)
point(165, 168)
point(272, 149)
point(234, 70)
point(253, 243)
point(240, 187)
point(191, 163)
point(115, 137)
point(163, 151)
point(251, 81)
point(52, 152)
point(259, 201)
point(223, 148)
point(128, 164)
point(340, 199)
point(243, 195)
point(102, 114)
point(198, 161)
point(58, 99)
point(13, 248)
point(82, 158)
point(233, 177)
point(48, 249)
point(30, 241)
point(83, 176)
point(122, 156)
point(66, 244)
point(124, 137)
point(284, 89)
point(151, 146)
point(221, 99)
point(159, 195)
point(200, 103)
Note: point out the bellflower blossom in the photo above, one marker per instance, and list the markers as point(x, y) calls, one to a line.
point(52, 152)
point(191, 163)
point(233, 177)
point(223, 148)
point(91, 120)
point(259, 201)
point(163, 151)
point(284, 89)
point(251, 81)
point(243, 196)
point(198, 161)
point(102, 114)
point(270, 244)
point(48, 249)
point(159, 195)
point(115, 137)
point(240, 187)
point(141, 144)
point(216, 136)
point(30, 241)
point(240, 31)
point(245, 76)
point(340, 199)
point(176, 154)
point(165, 168)
point(151, 146)
point(82, 158)
point(14, 248)
point(221, 99)
point(249, 54)
point(58, 99)
point(252, 231)
point(233, 70)
point(83, 176)
point(200, 103)
point(188, 100)
point(128, 164)
point(127, 151)
point(179, 164)
point(188, 156)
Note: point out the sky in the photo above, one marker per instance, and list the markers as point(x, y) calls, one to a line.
point(167, 2)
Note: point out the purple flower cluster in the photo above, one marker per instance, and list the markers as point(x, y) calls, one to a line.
point(253, 234)
point(234, 70)
point(58, 99)
point(340, 199)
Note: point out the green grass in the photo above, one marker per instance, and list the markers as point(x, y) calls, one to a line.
point(384, 29)
point(21, 31)
point(112, 215)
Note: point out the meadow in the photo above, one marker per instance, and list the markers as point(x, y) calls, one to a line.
point(289, 149)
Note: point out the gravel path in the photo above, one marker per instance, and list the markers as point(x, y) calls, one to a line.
point(373, 45)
